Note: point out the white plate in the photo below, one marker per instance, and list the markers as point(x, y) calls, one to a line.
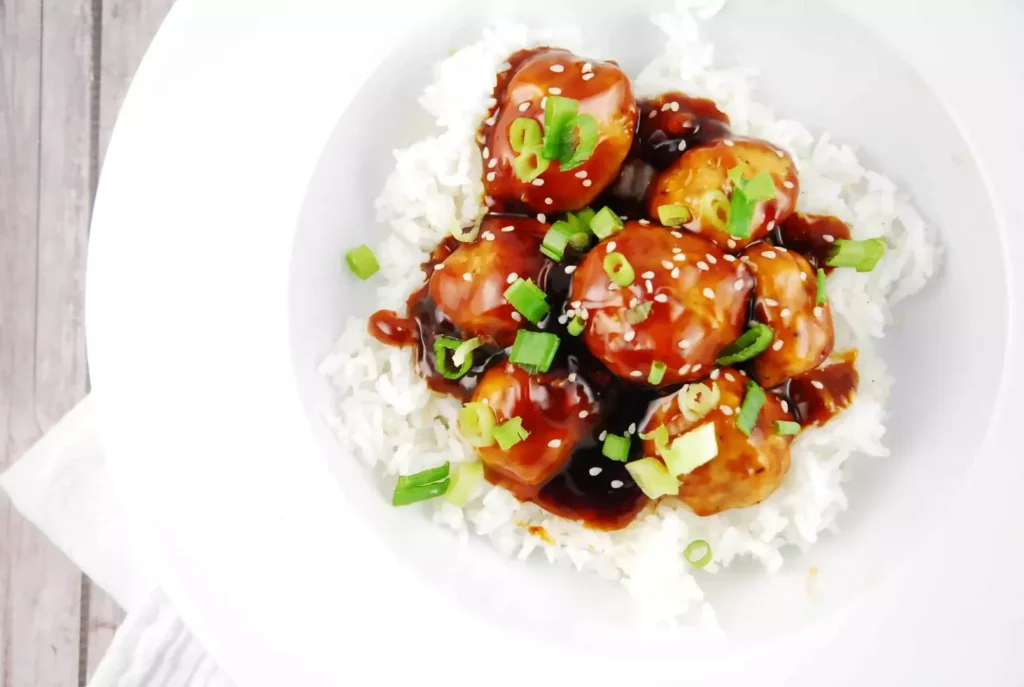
point(203, 324)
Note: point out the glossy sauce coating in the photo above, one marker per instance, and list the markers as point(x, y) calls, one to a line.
point(603, 91)
point(813, 236)
point(698, 298)
point(820, 394)
point(746, 470)
point(785, 299)
point(705, 169)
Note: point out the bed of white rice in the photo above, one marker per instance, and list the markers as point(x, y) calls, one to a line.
point(386, 415)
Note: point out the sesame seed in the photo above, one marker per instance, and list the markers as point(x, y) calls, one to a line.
point(543, 102)
point(488, 236)
point(557, 68)
point(632, 428)
point(438, 266)
point(616, 483)
point(728, 143)
point(739, 285)
point(711, 258)
point(562, 319)
point(703, 265)
point(569, 269)
point(555, 91)
point(582, 174)
point(570, 312)
point(681, 146)
point(803, 276)
point(636, 373)
point(648, 275)
point(726, 410)
point(594, 472)
point(490, 121)
point(666, 107)
point(696, 368)
point(732, 378)
point(770, 225)
point(817, 312)
point(577, 304)
point(467, 277)
point(714, 373)
point(587, 183)
point(817, 385)
point(729, 258)
point(537, 182)
point(508, 228)
point(486, 152)
point(684, 344)
point(633, 302)
point(785, 406)
point(652, 114)
point(787, 183)
point(777, 346)
point(541, 217)
point(554, 443)
point(685, 369)
point(572, 376)
point(730, 243)
point(781, 249)
point(679, 257)
point(643, 222)
point(771, 302)
point(492, 163)
point(650, 287)
point(661, 298)
point(601, 436)
point(785, 312)
point(548, 201)
point(768, 254)
point(675, 273)
point(490, 176)
point(584, 314)
point(584, 414)
point(829, 237)
point(588, 76)
point(630, 335)
point(587, 67)
point(613, 287)
point(780, 154)
point(516, 316)
point(611, 246)
point(524, 107)
point(511, 278)
point(677, 250)
point(677, 234)
point(667, 265)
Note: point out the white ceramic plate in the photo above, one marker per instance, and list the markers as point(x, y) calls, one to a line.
point(248, 155)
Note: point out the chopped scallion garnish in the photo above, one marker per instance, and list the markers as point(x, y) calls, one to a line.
point(466, 234)
point(713, 205)
point(618, 269)
point(476, 420)
point(653, 478)
point(529, 164)
point(639, 312)
point(534, 351)
point(463, 481)
point(421, 486)
point(529, 299)
point(674, 215)
point(688, 452)
point(555, 242)
point(616, 447)
point(524, 133)
point(449, 370)
point(559, 127)
point(510, 433)
point(785, 427)
point(741, 214)
point(576, 326)
point(761, 187)
point(585, 217)
point(753, 400)
point(822, 297)
point(862, 255)
point(428, 476)
point(605, 223)
point(751, 343)
point(657, 372)
point(362, 262)
point(745, 196)
point(587, 135)
point(465, 350)
point(697, 553)
point(698, 400)
point(659, 435)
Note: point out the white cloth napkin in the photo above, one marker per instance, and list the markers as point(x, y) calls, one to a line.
point(63, 487)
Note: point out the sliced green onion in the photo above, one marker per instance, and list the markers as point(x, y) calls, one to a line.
point(736, 173)
point(529, 299)
point(529, 164)
point(616, 447)
point(653, 478)
point(466, 234)
point(638, 313)
point(510, 433)
point(697, 553)
point(657, 372)
point(751, 343)
point(463, 481)
point(618, 269)
point(691, 450)
point(785, 427)
point(587, 135)
point(559, 118)
point(428, 476)
point(403, 497)
point(659, 435)
point(605, 223)
point(674, 215)
point(761, 187)
point(442, 345)
point(697, 400)
point(750, 408)
point(362, 262)
point(714, 204)
point(476, 420)
point(576, 326)
point(822, 298)
point(534, 351)
point(554, 243)
point(741, 214)
point(585, 217)
point(524, 133)
point(465, 350)
point(863, 255)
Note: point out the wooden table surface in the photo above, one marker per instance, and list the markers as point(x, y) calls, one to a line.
point(64, 68)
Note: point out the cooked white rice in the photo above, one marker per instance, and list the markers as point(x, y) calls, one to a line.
point(386, 415)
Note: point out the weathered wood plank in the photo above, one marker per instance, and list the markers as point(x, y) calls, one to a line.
point(44, 206)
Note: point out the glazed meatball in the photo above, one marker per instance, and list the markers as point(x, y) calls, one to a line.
point(695, 298)
point(747, 469)
point(785, 299)
point(699, 180)
point(549, 406)
point(470, 284)
point(603, 91)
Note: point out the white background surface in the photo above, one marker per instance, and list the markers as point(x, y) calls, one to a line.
point(233, 537)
